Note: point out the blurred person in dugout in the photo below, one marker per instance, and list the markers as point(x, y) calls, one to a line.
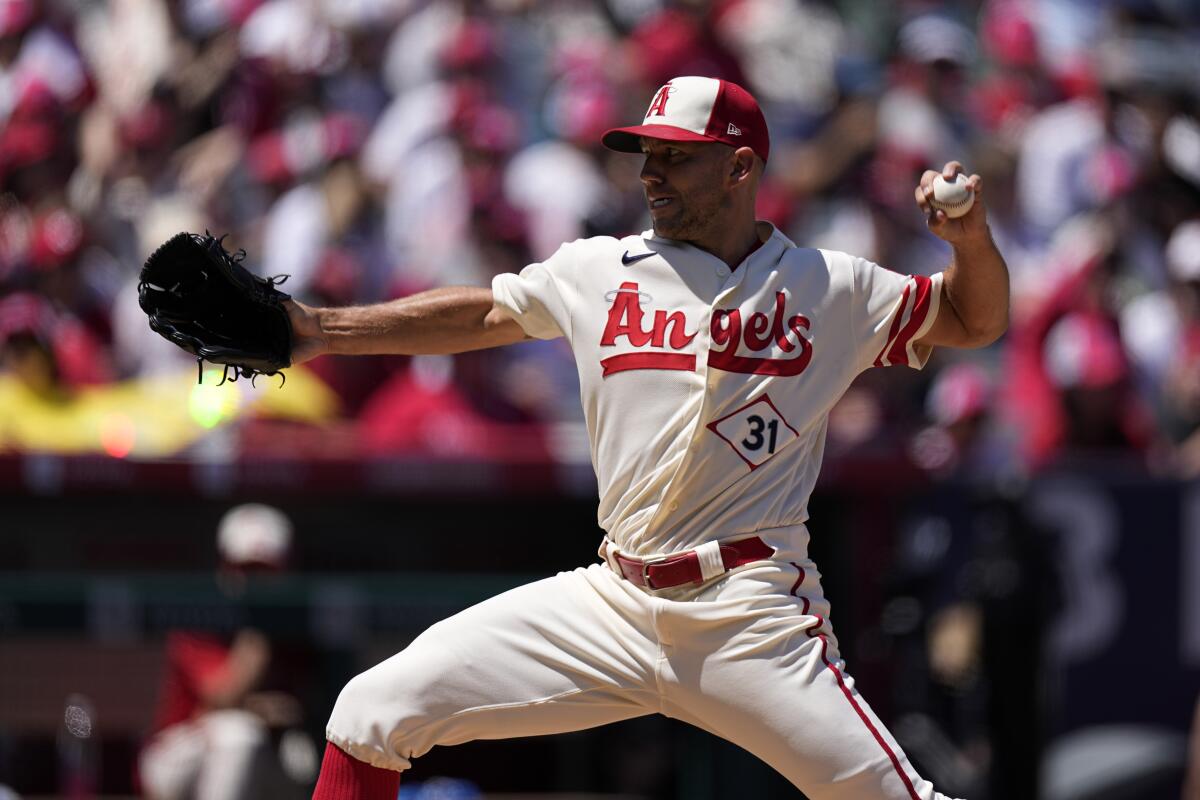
point(213, 732)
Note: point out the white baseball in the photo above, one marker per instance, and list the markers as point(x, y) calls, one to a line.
point(955, 199)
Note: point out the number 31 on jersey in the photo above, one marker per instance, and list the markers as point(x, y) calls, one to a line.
point(755, 431)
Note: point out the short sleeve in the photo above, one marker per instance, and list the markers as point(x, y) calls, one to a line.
point(534, 298)
point(199, 659)
point(892, 311)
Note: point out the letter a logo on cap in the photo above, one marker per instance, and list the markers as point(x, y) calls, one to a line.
point(701, 110)
point(658, 106)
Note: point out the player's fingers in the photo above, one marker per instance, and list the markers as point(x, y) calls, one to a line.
point(925, 196)
point(923, 193)
point(927, 178)
point(975, 184)
point(951, 169)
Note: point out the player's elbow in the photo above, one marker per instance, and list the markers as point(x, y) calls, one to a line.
point(982, 332)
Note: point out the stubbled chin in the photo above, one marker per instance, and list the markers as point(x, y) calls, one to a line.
point(665, 224)
point(662, 230)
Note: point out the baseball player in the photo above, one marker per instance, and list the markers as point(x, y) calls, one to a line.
point(710, 350)
point(220, 694)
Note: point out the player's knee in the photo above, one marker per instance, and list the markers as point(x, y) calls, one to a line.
point(364, 694)
point(394, 695)
point(384, 716)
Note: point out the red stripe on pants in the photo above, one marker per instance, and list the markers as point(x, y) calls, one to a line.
point(867, 721)
point(796, 587)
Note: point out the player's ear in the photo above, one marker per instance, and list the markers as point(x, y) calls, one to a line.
point(741, 165)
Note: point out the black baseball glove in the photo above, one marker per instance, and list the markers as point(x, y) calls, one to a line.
point(200, 297)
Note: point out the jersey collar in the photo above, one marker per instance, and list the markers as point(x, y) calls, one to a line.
point(771, 250)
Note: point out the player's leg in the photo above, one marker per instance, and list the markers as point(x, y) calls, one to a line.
point(171, 761)
point(566, 653)
point(220, 755)
point(235, 756)
point(760, 668)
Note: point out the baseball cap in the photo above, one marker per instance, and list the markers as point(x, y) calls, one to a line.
point(930, 38)
point(254, 533)
point(694, 109)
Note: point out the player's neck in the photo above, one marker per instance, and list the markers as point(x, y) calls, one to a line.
point(734, 244)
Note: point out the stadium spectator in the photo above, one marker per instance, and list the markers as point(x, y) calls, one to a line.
point(211, 739)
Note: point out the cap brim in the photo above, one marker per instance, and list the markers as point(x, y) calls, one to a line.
point(629, 140)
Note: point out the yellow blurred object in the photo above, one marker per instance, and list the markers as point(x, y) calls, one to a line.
point(153, 417)
point(210, 403)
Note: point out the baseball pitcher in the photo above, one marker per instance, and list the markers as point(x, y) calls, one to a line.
point(710, 351)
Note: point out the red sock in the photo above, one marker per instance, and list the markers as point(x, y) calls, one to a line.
point(346, 778)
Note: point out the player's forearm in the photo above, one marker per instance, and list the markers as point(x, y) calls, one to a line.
point(976, 286)
point(243, 670)
point(447, 320)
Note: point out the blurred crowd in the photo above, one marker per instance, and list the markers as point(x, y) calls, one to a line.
point(374, 148)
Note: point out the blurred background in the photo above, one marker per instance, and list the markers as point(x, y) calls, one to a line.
point(190, 572)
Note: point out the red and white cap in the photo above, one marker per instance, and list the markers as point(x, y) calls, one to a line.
point(254, 533)
point(692, 109)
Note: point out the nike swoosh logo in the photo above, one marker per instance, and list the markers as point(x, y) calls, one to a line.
point(628, 259)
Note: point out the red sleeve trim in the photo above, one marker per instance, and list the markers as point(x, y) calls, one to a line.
point(896, 348)
point(899, 315)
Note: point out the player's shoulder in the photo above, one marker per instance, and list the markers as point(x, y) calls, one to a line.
point(824, 271)
point(605, 250)
point(808, 258)
point(837, 259)
point(596, 246)
point(843, 264)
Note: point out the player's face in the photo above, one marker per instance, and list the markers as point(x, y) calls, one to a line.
point(685, 188)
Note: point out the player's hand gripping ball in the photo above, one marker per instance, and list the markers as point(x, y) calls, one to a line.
point(952, 204)
point(953, 197)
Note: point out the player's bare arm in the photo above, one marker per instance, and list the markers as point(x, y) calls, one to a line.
point(974, 309)
point(453, 319)
point(248, 658)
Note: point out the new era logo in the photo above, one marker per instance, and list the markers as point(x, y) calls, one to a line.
point(734, 130)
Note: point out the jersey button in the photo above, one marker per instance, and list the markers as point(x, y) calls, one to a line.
point(674, 506)
point(723, 272)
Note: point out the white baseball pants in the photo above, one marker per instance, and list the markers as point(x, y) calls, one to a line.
point(748, 656)
point(213, 757)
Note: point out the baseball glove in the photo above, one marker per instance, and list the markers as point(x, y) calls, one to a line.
point(200, 297)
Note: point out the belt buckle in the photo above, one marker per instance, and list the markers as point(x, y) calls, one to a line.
point(647, 563)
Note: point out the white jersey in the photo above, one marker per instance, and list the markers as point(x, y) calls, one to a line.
point(707, 392)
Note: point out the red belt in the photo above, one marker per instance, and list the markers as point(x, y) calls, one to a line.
point(681, 568)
